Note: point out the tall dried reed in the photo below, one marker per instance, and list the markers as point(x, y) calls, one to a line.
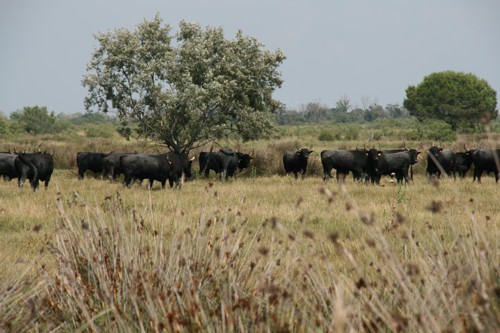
point(123, 268)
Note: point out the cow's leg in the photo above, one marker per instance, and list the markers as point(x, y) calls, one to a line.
point(496, 176)
point(477, 174)
point(34, 184)
point(47, 180)
point(127, 180)
point(406, 177)
point(358, 174)
point(400, 176)
point(327, 172)
point(111, 174)
point(20, 181)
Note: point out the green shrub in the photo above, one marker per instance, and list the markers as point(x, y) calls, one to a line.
point(436, 130)
point(325, 136)
point(99, 131)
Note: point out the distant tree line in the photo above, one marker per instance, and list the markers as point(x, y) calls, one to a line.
point(316, 113)
point(463, 101)
point(37, 120)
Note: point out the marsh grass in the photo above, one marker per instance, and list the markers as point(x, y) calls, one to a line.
point(251, 254)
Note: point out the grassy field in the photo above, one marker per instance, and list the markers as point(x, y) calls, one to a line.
point(266, 253)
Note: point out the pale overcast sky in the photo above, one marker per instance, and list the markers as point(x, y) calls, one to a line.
point(367, 50)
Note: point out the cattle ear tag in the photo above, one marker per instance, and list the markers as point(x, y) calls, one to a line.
point(379, 154)
point(170, 162)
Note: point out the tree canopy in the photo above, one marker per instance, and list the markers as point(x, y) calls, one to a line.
point(184, 89)
point(457, 98)
point(36, 120)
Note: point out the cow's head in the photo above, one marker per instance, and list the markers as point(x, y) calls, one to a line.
point(303, 153)
point(373, 154)
point(434, 150)
point(180, 164)
point(468, 157)
point(244, 160)
point(414, 155)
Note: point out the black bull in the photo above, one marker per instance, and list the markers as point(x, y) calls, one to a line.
point(355, 161)
point(464, 162)
point(344, 161)
point(225, 162)
point(35, 167)
point(159, 167)
point(440, 160)
point(486, 160)
point(7, 168)
point(295, 162)
point(111, 166)
point(89, 161)
point(381, 163)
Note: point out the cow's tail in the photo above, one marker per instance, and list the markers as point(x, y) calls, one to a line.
point(33, 171)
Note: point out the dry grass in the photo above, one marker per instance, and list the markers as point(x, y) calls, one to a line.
point(253, 254)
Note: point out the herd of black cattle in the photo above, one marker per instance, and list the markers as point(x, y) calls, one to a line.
point(364, 164)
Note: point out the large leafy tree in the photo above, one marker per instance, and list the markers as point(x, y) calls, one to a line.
point(187, 88)
point(457, 98)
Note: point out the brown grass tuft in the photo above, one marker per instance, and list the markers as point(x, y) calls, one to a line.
point(435, 206)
